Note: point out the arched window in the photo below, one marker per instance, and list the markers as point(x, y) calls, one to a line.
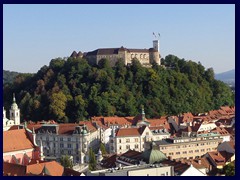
point(144, 56)
point(132, 56)
point(135, 55)
point(141, 56)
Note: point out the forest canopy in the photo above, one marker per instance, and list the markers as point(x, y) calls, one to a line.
point(72, 90)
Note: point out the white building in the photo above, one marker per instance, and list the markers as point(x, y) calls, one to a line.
point(14, 114)
point(73, 140)
point(134, 138)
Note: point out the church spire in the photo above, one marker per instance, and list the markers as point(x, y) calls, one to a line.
point(14, 99)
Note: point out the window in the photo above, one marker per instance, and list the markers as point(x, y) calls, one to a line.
point(61, 145)
point(136, 146)
point(120, 141)
point(191, 151)
point(136, 139)
point(69, 152)
point(202, 150)
point(197, 150)
point(127, 146)
point(69, 146)
point(61, 139)
point(184, 152)
point(147, 133)
point(120, 147)
point(69, 139)
point(132, 56)
point(178, 153)
point(54, 145)
point(127, 140)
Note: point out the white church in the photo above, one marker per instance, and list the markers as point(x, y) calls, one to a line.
point(14, 116)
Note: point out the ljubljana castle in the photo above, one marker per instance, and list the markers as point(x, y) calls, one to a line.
point(145, 56)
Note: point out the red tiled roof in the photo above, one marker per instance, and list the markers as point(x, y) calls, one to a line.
point(130, 131)
point(89, 125)
point(109, 162)
point(220, 130)
point(53, 168)
point(15, 140)
point(66, 128)
point(10, 169)
point(217, 157)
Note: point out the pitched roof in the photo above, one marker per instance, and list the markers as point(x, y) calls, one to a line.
point(130, 131)
point(217, 157)
point(15, 140)
point(10, 169)
point(52, 168)
point(109, 162)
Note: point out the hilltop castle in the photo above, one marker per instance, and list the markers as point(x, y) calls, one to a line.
point(145, 56)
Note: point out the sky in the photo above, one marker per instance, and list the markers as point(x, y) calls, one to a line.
point(35, 34)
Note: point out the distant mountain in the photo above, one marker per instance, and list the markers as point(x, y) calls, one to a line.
point(227, 77)
point(9, 76)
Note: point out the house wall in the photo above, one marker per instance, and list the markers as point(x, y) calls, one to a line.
point(188, 150)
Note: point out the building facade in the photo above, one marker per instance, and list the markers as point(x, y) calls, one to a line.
point(188, 147)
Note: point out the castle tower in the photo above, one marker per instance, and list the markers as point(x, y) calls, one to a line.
point(156, 45)
point(15, 112)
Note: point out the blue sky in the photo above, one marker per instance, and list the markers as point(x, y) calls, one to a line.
point(35, 34)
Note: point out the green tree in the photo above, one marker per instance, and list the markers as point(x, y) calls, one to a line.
point(66, 161)
point(229, 169)
point(92, 160)
point(58, 105)
point(103, 149)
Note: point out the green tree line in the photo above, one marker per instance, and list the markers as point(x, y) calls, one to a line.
point(71, 90)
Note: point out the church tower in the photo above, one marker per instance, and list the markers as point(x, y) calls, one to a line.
point(15, 112)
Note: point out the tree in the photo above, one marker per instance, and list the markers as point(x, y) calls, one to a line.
point(103, 149)
point(229, 169)
point(66, 161)
point(92, 160)
point(58, 105)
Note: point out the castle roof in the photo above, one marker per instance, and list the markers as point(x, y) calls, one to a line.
point(109, 51)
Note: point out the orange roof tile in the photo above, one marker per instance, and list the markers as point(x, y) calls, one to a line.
point(15, 140)
point(53, 167)
point(130, 131)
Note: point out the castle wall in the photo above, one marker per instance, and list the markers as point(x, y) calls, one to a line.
point(143, 57)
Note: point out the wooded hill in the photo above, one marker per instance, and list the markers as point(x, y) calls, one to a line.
point(71, 90)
